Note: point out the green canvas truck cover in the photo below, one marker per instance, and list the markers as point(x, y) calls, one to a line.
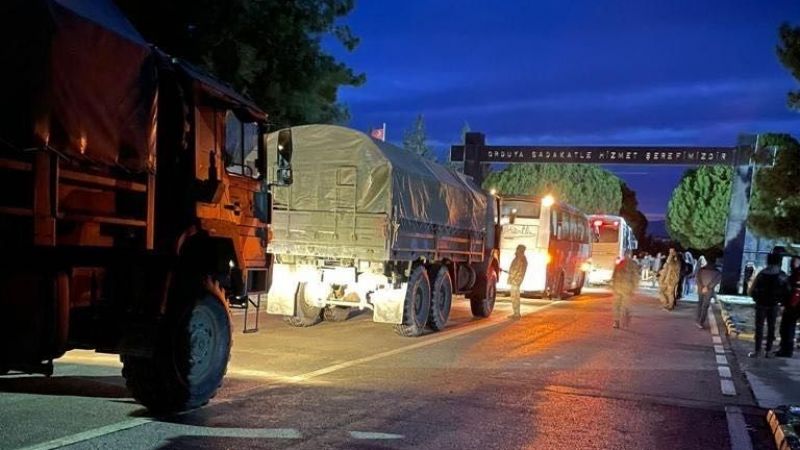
point(351, 193)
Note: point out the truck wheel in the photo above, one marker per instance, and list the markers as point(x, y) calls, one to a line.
point(481, 300)
point(336, 313)
point(306, 315)
point(189, 361)
point(441, 299)
point(417, 304)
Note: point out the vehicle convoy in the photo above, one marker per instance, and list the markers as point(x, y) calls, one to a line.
point(556, 238)
point(368, 225)
point(129, 217)
point(612, 237)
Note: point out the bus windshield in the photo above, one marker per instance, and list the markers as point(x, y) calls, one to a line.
point(527, 210)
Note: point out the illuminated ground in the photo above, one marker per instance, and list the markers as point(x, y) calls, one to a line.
point(559, 378)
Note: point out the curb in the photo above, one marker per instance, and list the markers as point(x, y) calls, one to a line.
point(784, 421)
point(730, 324)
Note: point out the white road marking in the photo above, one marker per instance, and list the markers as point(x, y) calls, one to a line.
point(425, 343)
point(372, 435)
point(718, 349)
point(737, 429)
point(727, 387)
point(724, 371)
point(259, 433)
point(88, 434)
point(430, 340)
point(126, 424)
point(712, 324)
point(722, 360)
point(716, 339)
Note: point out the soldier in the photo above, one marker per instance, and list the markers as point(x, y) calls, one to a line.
point(668, 280)
point(624, 283)
point(770, 290)
point(516, 274)
point(708, 277)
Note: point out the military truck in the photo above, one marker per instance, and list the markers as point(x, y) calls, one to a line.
point(368, 225)
point(129, 215)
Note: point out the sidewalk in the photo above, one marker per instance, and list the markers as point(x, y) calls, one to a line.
point(775, 382)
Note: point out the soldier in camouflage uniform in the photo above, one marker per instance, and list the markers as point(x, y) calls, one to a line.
point(668, 280)
point(516, 274)
point(624, 282)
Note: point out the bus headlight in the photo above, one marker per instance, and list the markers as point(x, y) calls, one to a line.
point(541, 257)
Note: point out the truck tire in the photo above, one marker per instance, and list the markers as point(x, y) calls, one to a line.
point(441, 299)
point(417, 304)
point(481, 300)
point(306, 315)
point(336, 313)
point(189, 361)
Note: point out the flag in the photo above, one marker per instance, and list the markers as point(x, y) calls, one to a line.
point(379, 133)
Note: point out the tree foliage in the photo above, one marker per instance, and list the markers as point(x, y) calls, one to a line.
point(630, 211)
point(789, 55)
point(587, 187)
point(698, 209)
point(415, 139)
point(775, 203)
point(270, 50)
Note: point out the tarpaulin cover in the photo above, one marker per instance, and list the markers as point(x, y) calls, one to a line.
point(340, 172)
point(78, 78)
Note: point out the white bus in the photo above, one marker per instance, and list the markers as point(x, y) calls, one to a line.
point(612, 237)
point(556, 238)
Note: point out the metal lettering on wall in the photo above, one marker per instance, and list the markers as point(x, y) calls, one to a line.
point(603, 155)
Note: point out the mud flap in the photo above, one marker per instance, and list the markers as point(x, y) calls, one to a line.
point(388, 305)
point(281, 296)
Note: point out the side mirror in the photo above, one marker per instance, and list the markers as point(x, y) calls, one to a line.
point(284, 175)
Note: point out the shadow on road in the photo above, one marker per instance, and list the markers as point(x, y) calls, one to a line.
point(84, 386)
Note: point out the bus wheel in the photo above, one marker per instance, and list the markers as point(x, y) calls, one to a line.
point(579, 288)
point(306, 315)
point(559, 291)
point(417, 304)
point(441, 299)
point(481, 299)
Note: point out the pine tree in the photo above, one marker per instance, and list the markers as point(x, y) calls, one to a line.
point(590, 188)
point(698, 209)
point(415, 139)
point(775, 202)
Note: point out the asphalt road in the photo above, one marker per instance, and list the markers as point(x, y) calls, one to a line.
point(560, 378)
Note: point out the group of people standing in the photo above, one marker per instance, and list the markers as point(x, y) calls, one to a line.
point(770, 288)
point(676, 273)
point(677, 276)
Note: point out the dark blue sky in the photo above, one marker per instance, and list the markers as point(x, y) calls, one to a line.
point(677, 72)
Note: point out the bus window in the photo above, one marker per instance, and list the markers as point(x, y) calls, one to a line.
point(572, 225)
